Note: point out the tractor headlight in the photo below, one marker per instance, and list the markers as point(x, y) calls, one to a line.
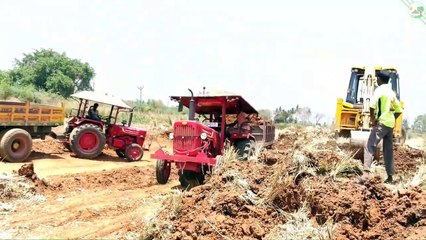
point(171, 136)
point(203, 136)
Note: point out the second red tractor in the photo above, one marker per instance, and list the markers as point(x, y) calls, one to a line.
point(197, 142)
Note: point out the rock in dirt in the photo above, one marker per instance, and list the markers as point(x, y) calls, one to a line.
point(26, 170)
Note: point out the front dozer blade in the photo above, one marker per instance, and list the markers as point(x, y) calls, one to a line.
point(359, 140)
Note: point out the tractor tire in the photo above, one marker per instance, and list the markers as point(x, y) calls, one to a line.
point(245, 149)
point(133, 152)
point(67, 146)
point(162, 171)
point(87, 141)
point(189, 179)
point(15, 145)
point(120, 153)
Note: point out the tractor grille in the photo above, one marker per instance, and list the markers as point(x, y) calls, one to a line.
point(184, 137)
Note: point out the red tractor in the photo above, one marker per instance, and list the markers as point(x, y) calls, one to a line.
point(197, 143)
point(86, 137)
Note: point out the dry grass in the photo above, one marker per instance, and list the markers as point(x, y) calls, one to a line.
point(345, 166)
point(419, 178)
point(299, 226)
point(257, 152)
point(153, 228)
point(280, 181)
point(225, 161)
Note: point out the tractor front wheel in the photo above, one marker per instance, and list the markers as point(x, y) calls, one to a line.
point(162, 171)
point(245, 148)
point(189, 179)
point(15, 145)
point(133, 152)
point(87, 141)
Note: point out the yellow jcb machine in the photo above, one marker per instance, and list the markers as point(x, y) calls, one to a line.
point(353, 114)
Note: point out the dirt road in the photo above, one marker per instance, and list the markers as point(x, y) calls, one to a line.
point(102, 198)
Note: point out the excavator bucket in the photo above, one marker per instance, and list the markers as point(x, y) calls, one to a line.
point(359, 140)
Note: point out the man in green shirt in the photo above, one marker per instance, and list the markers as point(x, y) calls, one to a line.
point(384, 109)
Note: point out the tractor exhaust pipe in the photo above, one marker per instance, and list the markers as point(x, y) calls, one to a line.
point(130, 117)
point(191, 106)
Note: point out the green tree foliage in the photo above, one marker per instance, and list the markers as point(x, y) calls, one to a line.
point(5, 77)
point(285, 116)
point(405, 124)
point(419, 124)
point(265, 114)
point(53, 72)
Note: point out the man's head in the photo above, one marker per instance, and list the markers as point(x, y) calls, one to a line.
point(95, 106)
point(383, 77)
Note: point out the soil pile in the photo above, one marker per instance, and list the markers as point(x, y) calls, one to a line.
point(48, 146)
point(122, 179)
point(407, 159)
point(252, 200)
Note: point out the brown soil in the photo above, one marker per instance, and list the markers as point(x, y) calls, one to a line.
point(48, 146)
point(108, 197)
point(225, 208)
point(407, 159)
point(27, 170)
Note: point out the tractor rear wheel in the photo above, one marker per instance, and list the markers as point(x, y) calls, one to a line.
point(245, 148)
point(189, 179)
point(15, 145)
point(87, 141)
point(162, 171)
point(133, 152)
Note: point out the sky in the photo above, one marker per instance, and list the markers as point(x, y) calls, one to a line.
point(274, 53)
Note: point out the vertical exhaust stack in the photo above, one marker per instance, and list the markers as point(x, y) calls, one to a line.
point(130, 117)
point(191, 106)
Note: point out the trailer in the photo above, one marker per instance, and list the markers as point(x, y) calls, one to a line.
point(20, 122)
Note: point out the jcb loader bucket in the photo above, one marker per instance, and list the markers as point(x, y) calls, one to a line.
point(359, 140)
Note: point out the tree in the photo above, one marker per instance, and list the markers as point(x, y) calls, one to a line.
point(303, 114)
point(266, 114)
point(48, 70)
point(419, 124)
point(5, 77)
point(405, 124)
point(318, 117)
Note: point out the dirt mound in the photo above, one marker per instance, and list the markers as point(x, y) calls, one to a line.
point(407, 159)
point(48, 146)
point(123, 179)
point(249, 200)
point(26, 170)
point(368, 212)
point(225, 207)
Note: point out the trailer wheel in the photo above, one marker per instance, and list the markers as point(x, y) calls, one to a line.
point(119, 153)
point(87, 141)
point(162, 171)
point(245, 148)
point(16, 145)
point(133, 152)
point(189, 179)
